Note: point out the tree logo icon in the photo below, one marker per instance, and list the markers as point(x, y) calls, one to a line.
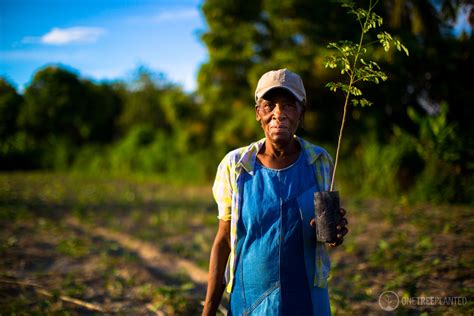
point(389, 301)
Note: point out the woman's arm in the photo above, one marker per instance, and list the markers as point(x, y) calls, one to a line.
point(219, 256)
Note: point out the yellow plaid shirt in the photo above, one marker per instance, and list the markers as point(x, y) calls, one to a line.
point(227, 186)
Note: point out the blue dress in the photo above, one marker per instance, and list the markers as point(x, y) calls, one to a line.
point(271, 277)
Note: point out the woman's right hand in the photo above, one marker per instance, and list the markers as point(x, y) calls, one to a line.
point(219, 255)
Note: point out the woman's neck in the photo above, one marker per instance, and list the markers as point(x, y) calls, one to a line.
point(278, 155)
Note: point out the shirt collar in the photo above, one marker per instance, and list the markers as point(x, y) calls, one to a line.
point(249, 156)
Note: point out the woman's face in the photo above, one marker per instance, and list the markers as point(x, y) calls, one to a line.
point(279, 113)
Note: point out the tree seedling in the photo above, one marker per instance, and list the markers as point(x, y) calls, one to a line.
point(353, 61)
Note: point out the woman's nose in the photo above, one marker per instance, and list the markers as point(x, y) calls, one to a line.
point(277, 111)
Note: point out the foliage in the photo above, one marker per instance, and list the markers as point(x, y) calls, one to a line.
point(148, 125)
point(145, 150)
point(445, 176)
point(10, 104)
point(60, 112)
point(349, 54)
point(55, 103)
point(63, 121)
point(428, 165)
point(142, 102)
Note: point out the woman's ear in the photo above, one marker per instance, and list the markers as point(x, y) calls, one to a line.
point(257, 116)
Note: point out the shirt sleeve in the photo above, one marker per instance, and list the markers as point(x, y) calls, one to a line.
point(324, 168)
point(222, 189)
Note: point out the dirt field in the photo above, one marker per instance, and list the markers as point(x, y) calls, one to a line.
point(82, 245)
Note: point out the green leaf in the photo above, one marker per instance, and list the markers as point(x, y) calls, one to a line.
point(413, 115)
point(332, 86)
point(364, 102)
point(344, 87)
point(405, 49)
point(384, 39)
point(355, 91)
point(330, 61)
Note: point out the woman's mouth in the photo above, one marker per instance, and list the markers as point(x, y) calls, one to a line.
point(279, 127)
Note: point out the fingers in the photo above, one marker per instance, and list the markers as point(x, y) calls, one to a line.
point(341, 228)
point(342, 233)
point(342, 224)
point(337, 243)
point(342, 211)
point(339, 238)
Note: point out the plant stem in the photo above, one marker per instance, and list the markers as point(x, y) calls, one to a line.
point(340, 138)
point(351, 82)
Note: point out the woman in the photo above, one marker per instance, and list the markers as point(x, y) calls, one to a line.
point(265, 246)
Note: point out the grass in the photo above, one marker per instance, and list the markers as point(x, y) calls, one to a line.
point(413, 250)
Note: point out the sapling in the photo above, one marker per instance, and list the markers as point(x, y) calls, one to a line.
point(352, 60)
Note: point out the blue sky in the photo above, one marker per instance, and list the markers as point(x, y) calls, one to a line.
point(105, 39)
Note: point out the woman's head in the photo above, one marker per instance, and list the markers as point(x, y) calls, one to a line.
point(280, 104)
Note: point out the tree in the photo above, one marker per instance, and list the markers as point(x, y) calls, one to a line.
point(10, 105)
point(104, 106)
point(56, 104)
point(142, 104)
point(59, 104)
point(223, 82)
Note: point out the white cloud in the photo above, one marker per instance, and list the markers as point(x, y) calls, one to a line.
point(182, 14)
point(64, 36)
point(168, 16)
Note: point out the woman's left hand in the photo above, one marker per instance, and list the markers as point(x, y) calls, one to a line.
point(342, 230)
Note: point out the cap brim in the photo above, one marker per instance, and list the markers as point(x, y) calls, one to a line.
point(262, 93)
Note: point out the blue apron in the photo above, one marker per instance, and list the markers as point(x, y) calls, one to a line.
point(273, 274)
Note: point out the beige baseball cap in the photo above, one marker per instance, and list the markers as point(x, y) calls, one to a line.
point(281, 78)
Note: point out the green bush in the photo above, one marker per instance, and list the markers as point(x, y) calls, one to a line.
point(92, 158)
point(380, 170)
point(427, 167)
point(146, 151)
